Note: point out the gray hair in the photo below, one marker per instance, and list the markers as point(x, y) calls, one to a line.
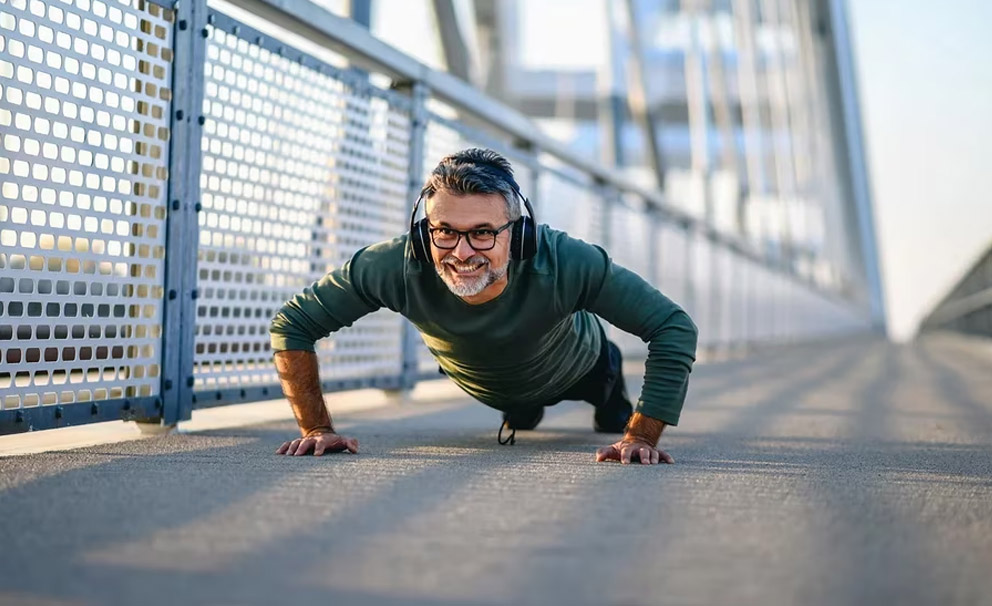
point(474, 171)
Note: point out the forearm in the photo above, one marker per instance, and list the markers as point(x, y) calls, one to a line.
point(643, 428)
point(298, 374)
point(671, 353)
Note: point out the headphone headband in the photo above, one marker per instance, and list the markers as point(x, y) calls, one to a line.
point(523, 242)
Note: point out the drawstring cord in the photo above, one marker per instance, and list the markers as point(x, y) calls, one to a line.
point(511, 439)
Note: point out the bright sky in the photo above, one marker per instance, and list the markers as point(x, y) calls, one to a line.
point(576, 41)
point(925, 79)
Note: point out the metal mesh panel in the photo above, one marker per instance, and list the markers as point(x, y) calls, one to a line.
point(702, 283)
point(571, 207)
point(723, 297)
point(672, 250)
point(737, 328)
point(630, 234)
point(302, 166)
point(84, 131)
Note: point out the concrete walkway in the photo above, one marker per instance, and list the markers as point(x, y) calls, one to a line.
point(853, 472)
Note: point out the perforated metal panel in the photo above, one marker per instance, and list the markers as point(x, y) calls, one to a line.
point(630, 232)
point(84, 134)
point(302, 166)
point(702, 284)
point(571, 207)
point(672, 248)
point(630, 235)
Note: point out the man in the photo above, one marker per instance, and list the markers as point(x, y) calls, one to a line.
point(506, 307)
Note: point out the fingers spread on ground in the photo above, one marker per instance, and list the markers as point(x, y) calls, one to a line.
point(304, 446)
point(666, 457)
point(656, 457)
point(352, 445)
point(282, 449)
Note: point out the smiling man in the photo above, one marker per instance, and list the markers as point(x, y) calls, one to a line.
point(508, 308)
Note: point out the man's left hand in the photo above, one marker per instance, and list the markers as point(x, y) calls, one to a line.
point(628, 451)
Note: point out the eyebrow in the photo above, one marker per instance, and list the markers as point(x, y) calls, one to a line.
point(478, 226)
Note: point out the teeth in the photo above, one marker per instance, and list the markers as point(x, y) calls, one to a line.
point(466, 270)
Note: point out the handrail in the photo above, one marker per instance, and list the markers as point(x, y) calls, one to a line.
point(954, 309)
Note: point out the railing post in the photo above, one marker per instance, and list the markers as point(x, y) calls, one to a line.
point(688, 268)
point(608, 196)
point(182, 229)
point(415, 172)
point(652, 225)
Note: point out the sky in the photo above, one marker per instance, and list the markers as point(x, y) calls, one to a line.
point(925, 83)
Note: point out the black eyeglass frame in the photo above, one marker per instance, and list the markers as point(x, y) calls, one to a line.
point(496, 232)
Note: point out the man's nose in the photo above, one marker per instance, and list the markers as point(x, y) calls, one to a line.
point(462, 249)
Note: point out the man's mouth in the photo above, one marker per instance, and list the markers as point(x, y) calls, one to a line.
point(465, 269)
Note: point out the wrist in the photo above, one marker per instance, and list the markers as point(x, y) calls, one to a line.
point(316, 431)
point(643, 428)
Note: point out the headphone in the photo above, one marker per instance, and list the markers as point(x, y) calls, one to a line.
point(523, 233)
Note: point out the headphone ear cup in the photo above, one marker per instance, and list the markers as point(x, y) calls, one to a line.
point(528, 238)
point(420, 241)
point(523, 240)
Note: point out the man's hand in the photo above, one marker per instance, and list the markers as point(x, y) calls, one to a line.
point(319, 444)
point(629, 451)
point(639, 443)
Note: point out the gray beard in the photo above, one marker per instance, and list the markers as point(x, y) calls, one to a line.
point(469, 287)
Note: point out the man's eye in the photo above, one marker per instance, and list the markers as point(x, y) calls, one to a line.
point(444, 231)
point(483, 233)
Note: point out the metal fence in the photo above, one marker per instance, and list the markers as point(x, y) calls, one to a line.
point(968, 307)
point(169, 176)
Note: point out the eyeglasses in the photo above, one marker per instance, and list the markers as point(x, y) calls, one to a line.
point(479, 239)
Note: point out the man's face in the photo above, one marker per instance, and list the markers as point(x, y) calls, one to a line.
point(467, 272)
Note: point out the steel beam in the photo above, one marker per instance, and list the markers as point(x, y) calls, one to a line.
point(182, 219)
point(637, 96)
point(457, 55)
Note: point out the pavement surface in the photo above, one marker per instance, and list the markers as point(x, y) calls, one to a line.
point(847, 472)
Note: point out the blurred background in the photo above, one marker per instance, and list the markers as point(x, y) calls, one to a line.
point(737, 97)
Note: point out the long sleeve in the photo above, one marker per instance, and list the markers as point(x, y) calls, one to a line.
point(627, 301)
point(370, 280)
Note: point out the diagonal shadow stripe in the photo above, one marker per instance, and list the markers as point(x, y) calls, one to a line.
point(875, 398)
point(781, 400)
point(719, 377)
point(956, 385)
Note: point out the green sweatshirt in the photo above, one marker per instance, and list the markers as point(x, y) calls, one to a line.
point(529, 344)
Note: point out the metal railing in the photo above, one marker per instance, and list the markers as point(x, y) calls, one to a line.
point(171, 175)
point(968, 307)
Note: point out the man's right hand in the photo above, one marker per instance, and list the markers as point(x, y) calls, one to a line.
point(319, 444)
